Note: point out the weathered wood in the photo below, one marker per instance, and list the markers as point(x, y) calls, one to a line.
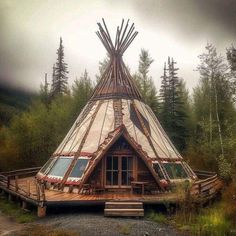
point(124, 209)
point(41, 211)
point(16, 183)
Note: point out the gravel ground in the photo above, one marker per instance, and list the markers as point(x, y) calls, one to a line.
point(88, 224)
point(91, 224)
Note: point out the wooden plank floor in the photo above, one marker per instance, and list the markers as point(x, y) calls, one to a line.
point(58, 196)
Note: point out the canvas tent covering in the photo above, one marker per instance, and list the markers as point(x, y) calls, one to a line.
point(115, 110)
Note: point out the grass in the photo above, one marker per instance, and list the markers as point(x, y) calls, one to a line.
point(38, 230)
point(13, 210)
point(205, 221)
point(157, 217)
point(125, 229)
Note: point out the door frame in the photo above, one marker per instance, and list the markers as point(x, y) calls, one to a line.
point(134, 164)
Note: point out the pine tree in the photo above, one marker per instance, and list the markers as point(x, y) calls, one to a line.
point(59, 78)
point(165, 99)
point(173, 114)
point(81, 91)
point(231, 57)
point(102, 65)
point(145, 82)
point(44, 91)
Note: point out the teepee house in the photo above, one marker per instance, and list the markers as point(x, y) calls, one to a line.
point(116, 144)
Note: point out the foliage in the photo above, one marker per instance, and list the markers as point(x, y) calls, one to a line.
point(81, 91)
point(34, 135)
point(174, 106)
point(14, 211)
point(60, 79)
point(145, 82)
point(13, 101)
point(102, 67)
point(157, 217)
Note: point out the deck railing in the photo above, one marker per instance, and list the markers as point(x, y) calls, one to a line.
point(34, 190)
point(207, 185)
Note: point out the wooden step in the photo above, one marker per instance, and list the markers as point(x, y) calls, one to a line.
point(124, 209)
point(123, 212)
point(124, 205)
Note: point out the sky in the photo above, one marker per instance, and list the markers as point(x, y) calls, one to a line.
point(31, 30)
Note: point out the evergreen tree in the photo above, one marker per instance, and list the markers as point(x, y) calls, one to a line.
point(145, 82)
point(102, 65)
point(81, 91)
point(59, 78)
point(44, 91)
point(174, 99)
point(231, 57)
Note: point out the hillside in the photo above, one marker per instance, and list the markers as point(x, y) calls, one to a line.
point(12, 102)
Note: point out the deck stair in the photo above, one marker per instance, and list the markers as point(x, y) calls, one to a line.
point(118, 208)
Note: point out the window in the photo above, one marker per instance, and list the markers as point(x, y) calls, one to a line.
point(175, 170)
point(60, 167)
point(79, 168)
point(158, 170)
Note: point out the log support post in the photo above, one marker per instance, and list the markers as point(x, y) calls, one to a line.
point(24, 205)
point(10, 197)
point(42, 211)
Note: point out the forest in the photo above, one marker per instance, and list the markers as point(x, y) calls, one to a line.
point(201, 124)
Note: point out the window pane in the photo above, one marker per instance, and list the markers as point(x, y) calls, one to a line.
point(124, 178)
point(124, 163)
point(130, 177)
point(158, 170)
point(109, 163)
point(130, 163)
point(115, 178)
point(108, 178)
point(175, 170)
point(60, 167)
point(79, 168)
point(115, 163)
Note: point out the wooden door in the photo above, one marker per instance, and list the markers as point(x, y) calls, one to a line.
point(119, 171)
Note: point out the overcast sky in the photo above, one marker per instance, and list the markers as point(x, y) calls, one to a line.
point(30, 32)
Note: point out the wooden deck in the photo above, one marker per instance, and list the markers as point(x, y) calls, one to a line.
point(23, 186)
point(28, 188)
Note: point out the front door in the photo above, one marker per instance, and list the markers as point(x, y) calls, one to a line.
point(119, 171)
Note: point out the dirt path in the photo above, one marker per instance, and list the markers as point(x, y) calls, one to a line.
point(8, 226)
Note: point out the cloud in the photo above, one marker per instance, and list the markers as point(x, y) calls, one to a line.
point(30, 32)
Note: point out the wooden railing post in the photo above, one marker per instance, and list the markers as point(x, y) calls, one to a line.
point(37, 190)
point(16, 183)
point(28, 188)
point(8, 182)
point(43, 191)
